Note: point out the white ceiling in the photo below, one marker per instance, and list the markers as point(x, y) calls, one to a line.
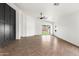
point(49, 9)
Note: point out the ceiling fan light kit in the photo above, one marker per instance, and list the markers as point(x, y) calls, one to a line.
point(42, 17)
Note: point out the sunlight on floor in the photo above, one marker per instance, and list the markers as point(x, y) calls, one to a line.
point(46, 40)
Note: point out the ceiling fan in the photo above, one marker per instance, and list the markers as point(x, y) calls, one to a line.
point(42, 16)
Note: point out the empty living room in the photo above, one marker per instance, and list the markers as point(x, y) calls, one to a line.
point(39, 29)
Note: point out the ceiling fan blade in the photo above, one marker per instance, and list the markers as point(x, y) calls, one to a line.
point(45, 17)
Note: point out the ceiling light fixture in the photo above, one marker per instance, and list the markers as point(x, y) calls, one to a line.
point(56, 4)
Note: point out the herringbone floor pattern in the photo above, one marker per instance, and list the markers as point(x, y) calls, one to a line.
point(40, 46)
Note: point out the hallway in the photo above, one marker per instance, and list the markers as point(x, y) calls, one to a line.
point(45, 45)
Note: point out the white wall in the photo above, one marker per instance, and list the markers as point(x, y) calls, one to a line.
point(31, 26)
point(26, 25)
point(68, 28)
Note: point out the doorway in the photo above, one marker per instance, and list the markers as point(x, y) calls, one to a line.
point(46, 30)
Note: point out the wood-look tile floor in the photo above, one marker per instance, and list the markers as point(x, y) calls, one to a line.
point(40, 46)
